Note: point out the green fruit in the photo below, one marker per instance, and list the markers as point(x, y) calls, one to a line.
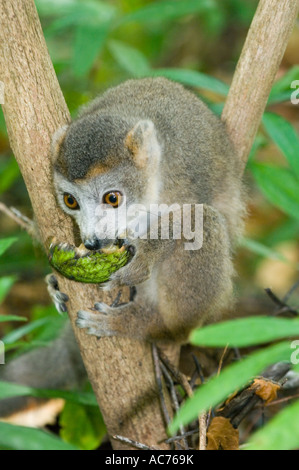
point(90, 267)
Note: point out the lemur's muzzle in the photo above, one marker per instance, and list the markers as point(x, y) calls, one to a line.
point(95, 243)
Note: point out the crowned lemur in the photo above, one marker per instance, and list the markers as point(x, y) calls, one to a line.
point(148, 142)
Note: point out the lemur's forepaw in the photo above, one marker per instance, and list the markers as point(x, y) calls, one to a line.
point(57, 297)
point(110, 285)
point(97, 324)
point(130, 275)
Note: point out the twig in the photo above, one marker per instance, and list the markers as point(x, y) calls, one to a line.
point(174, 400)
point(245, 401)
point(138, 445)
point(182, 380)
point(203, 431)
point(238, 356)
point(222, 359)
point(290, 292)
point(282, 400)
point(197, 373)
point(179, 438)
point(274, 297)
point(250, 405)
point(20, 219)
point(283, 307)
point(160, 384)
point(211, 411)
point(179, 377)
point(205, 418)
point(277, 371)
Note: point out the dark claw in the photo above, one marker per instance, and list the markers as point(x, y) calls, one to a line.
point(101, 307)
point(59, 298)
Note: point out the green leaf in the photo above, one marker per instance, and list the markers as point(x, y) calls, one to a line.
point(21, 438)
point(21, 345)
point(130, 59)
point(75, 12)
point(260, 249)
point(82, 426)
point(281, 91)
point(295, 355)
point(281, 433)
point(283, 232)
point(17, 334)
point(89, 41)
point(52, 327)
point(216, 108)
point(9, 173)
point(245, 332)
point(281, 97)
point(241, 12)
point(259, 142)
point(232, 378)
point(279, 186)
point(194, 79)
point(5, 243)
point(91, 22)
point(3, 129)
point(285, 137)
point(9, 390)
point(54, 7)
point(168, 10)
point(7, 318)
point(6, 284)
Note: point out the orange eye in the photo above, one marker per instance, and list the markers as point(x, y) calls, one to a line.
point(71, 202)
point(113, 198)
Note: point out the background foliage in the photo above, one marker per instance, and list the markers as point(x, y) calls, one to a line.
point(97, 44)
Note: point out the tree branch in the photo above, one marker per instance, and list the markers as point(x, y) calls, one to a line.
point(121, 371)
point(256, 71)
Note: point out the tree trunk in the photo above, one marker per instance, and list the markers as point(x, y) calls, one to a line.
point(120, 370)
point(256, 71)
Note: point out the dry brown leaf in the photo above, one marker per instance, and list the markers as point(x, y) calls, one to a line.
point(38, 415)
point(265, 389)
point(222, 435)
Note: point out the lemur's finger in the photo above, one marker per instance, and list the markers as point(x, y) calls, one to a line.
point(61, 307)
point(59, 298)
point(51, 280)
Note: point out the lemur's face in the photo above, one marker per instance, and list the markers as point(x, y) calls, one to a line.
point(102, 196)
point(99, 207)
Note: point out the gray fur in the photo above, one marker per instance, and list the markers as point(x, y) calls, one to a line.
point(156, 143)
point(199, 163)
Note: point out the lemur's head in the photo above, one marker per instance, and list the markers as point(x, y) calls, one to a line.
point(102, 165)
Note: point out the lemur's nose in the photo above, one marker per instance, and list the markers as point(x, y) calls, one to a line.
point(93, 244)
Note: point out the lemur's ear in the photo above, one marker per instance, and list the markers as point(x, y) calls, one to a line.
point(57, 142)
point(143, 144)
